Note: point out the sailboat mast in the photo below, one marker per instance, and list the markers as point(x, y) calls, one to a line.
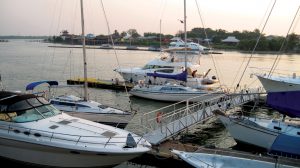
point(185, 37)
point(84, 53)
point(160, 34)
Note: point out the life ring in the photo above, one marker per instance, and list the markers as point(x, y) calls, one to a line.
point(158, 117)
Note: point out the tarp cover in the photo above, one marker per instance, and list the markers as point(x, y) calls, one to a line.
point(32, 85)
point(287, 103)
point(286, 145)
point(181, 76)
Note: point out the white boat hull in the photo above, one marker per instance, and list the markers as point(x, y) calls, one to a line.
point(249, 134)
point(271, 85)
point(58, 157)
point(173, 97)
point(201, 160)
point(116, 120)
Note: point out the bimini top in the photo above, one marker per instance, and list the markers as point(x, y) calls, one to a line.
point(12, 101)
point(32, 85)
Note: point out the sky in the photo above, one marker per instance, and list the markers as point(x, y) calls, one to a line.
point(50, 17)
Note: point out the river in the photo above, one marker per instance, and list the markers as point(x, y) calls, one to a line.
point(24, 61)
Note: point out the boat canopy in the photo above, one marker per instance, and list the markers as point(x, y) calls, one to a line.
point(12, 101)
point(32, 85)
point(286, 102)
point(181, 76)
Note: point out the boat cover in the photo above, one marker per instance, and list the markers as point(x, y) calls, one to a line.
point(287, 102)
point(286, 145)
point(32, 85)
point(181, 76)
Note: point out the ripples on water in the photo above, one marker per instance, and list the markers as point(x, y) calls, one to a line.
point(23, 62)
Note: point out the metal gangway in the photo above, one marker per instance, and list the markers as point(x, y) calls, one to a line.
point(163, 123)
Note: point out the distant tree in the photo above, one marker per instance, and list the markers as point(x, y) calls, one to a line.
point(116, 33)
point(133, 33)
point(147, 34)
point(292, 41)
point(123, 34)
point(275, 43)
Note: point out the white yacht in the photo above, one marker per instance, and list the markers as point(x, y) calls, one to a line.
point(171, 93)
point(194, 48)
point(35, 132)
point(170, 63)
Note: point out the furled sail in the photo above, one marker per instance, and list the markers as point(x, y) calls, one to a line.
point(181, 76)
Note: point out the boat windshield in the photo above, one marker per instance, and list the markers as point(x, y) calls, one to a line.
point(27, 110)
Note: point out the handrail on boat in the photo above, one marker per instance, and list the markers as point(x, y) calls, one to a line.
point(60, 136)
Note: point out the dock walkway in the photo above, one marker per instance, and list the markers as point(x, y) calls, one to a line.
point(159, 125)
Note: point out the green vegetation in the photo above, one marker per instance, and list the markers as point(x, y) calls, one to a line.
point(247, 39)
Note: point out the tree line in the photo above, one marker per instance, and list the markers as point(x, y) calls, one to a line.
point(213, 38)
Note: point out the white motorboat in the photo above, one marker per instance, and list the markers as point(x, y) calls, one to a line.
point(171, 92)
point(279, 83)
point(170, 63)
point(275, 136)
point(106, 46)
point(89, 109)
point(229, 159)
point(92, 110)
point(35, 132)
point(193, 48)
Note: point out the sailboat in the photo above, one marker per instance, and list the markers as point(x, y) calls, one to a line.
point(88, 109)
point(175, 92)
point(279, 83)
point(172, 61)
point(275, 136)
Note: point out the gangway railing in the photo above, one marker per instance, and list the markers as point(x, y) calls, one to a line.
point(168, 121)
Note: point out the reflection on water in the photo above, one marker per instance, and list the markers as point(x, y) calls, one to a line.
point(24, 62)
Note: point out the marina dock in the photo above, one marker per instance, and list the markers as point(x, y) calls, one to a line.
point(105, 84)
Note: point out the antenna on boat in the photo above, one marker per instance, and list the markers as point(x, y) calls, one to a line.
point(84, 53)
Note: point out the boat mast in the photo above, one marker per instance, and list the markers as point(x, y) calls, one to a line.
point(185, 37)
point(160, 34)
point(84, 53)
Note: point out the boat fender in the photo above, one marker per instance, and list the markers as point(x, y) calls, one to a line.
point(158, 117)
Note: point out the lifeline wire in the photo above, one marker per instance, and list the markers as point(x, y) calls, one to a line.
point(206, 37)
point(258, 39)
point(286, 39)
point(108, 29)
